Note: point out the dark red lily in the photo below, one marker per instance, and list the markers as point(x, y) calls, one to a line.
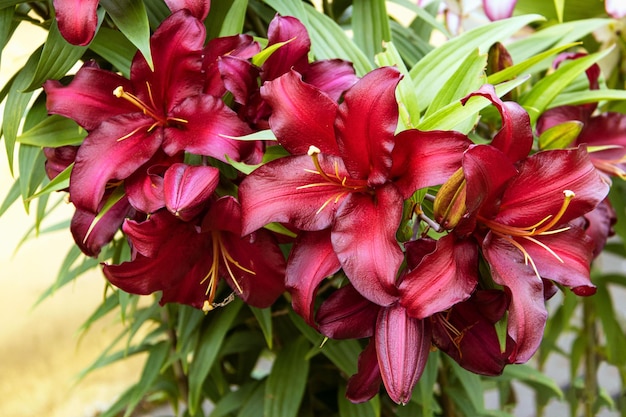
point(187, 261)
point(348, 171)
point(130, 120)
point(519, 209)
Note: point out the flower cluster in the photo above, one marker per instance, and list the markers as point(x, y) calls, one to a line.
point(492, 227)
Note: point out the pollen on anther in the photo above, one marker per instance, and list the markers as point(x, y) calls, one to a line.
point(569, 194)
point(118, 92)
point(313, 150)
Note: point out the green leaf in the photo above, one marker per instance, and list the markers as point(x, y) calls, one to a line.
point(232, 23)
point(16, 104)
point(423, 392)
point(435, 70)
point(469, 393)
point(589, 96)
point(349, 409)
point(560, 136)
point(370, 25)
point(615, 338)
point(115, 197)
point(131, 18)
point(260, 58)
point(253, 405)
point(533, 378)
point(57, 58)
point(454, 114)
point(60, 182)
point(234, 399)
point(242, 166)
point(53, 131)
point(286, 383)
point(207, 349)
point(517, 69)
point(6, 27)
point(113, 46)
point(467, 78)
point(411, 47)
point(151, 370)
point(264, 319)
point(558, 6)
point(343, 353)
point(537, 100)
point(541, 40)
point(423, 15)
point(32, 172)
point(11, 197)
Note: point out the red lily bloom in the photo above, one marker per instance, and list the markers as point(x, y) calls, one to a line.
point(187, 262)
point(130, 120)
point(348, 172)
point(519, 210)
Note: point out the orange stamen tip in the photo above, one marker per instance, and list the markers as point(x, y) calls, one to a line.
point(118, 92)
point(206, 307)
point(313, 150)
point(569, 194)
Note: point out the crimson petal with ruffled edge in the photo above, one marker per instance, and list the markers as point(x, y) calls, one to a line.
point(366, 123)
point(423, 159)
point(77, 19)
point(443, 278)
point(538, 189)
point(302, 115)
point(311, 260)
point(285, 190)
point(332, 76)
point(89, 98)
point(527, 312)
point(364, 239)
point(402, 348)
point(105, 156)
point(199, 8)
point(293, 54)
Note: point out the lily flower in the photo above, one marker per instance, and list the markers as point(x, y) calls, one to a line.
point(130, 120)
point(187, 261)
point(348, 171)
point(502, 9)
point(519, 211)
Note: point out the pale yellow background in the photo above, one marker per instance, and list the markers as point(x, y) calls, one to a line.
point(40, 349)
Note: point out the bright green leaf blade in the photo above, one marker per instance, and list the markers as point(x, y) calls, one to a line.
point(286, 383)
point(584, 97)
point(433, 72)
point(208, 347)
point(31, 168)
point(422, 13)
point(6, 27)
point(253, 405)
point(57, 58)
point(232, 23)
point(467, 78)
point(558, 6)
point(264, 319)
point(560, 136)
point(615, 337)
point(11, 197)
point(541, 40)
point(370, 25)
point(113, 46)
point(60, 182)
point(517, 69)
point(151, 370)
point(16, 105)
point(454, 114)
point(537, 100)
point(531, 377)
point(131, 18)
point(53, 131)
point(233, 400)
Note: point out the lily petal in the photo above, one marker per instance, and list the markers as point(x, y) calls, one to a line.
point(402, 347)
point(499, 9)
point(527, 312)
point(365, 384)
point(89, 98)
point(445, 277)
point(302, 115)
point(423, 159)
point(615, 8)
point(364, 239)
point(332, 76)
point(347, 315)
point(366, 123)
point(199, 8)
point(107, 155)
point(311, 260)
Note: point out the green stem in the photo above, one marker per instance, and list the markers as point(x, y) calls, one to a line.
point(590, 390)
point(447, 403)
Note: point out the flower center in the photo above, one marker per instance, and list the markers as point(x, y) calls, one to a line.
point(543, 227)
point(149, 110)
point(220, 257)
point(343, 184)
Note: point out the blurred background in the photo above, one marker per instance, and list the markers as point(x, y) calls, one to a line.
point(41, 348)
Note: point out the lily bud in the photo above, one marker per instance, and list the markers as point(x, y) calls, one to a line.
point(449, 206)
